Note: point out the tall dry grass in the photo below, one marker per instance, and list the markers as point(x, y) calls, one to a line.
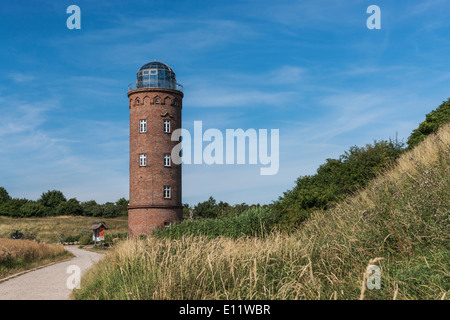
point(400, 222)
point(19, 254)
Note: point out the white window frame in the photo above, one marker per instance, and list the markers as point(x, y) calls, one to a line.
point(167, 192)
point(142, 160)
point(166, 125)
point(167, 160)
point(143, 125)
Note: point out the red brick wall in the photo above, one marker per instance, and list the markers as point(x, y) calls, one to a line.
point(148, 208)
point(142, 221)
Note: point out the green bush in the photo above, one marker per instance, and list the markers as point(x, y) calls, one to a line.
point(432, 122)
point(86, 239)
point(109, 237)
point(12, 208)
point(33, 209)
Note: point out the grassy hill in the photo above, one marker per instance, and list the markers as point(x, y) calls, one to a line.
point(399, 222)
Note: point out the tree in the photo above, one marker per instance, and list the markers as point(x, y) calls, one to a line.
point(91, 209)
point(52, 199)
point(12, 208)
point(71, 207)
point(4, 196)
point(33, 209)
point(206, 209)
point(186, 210)
point(110, 210)
point(122, 206)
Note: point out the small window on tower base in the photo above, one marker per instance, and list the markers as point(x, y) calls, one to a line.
point(167, 224)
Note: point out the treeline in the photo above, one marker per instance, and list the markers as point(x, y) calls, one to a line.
point(54, 203)
point(211, 209)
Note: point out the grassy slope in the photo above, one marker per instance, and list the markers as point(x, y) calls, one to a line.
point(400, 221)
point(49, 229)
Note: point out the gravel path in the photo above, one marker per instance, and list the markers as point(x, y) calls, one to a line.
point(48, 283)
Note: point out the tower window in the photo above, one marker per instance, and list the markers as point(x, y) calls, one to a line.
point(142, 125)
point(142, 160)
point(138, 101)
point(167, 126)
point(157, 100)
point(167, 159)
point(167, 194)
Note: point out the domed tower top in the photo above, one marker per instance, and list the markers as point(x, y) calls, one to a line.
point(156, 75)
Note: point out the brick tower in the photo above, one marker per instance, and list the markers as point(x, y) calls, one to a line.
point(155, 102)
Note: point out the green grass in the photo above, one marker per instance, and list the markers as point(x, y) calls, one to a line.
point(253, 222)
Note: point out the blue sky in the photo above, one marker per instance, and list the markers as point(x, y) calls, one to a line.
point(311, 69)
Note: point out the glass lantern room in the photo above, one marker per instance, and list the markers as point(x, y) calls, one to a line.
point(156, 75)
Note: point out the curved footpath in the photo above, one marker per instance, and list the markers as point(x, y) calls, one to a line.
point(48, 283)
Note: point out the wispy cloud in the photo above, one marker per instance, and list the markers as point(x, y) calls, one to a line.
point(86, 159)
point(20, 77)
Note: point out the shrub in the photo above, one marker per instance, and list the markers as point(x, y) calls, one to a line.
point(85, 239)
point(432, 122)
point(12, 208)
point(33, 209)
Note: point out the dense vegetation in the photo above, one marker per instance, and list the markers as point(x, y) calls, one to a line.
point(211, 209)
point(398, 222)
point(54, 203)
point(431, 124)
point(252, 222)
